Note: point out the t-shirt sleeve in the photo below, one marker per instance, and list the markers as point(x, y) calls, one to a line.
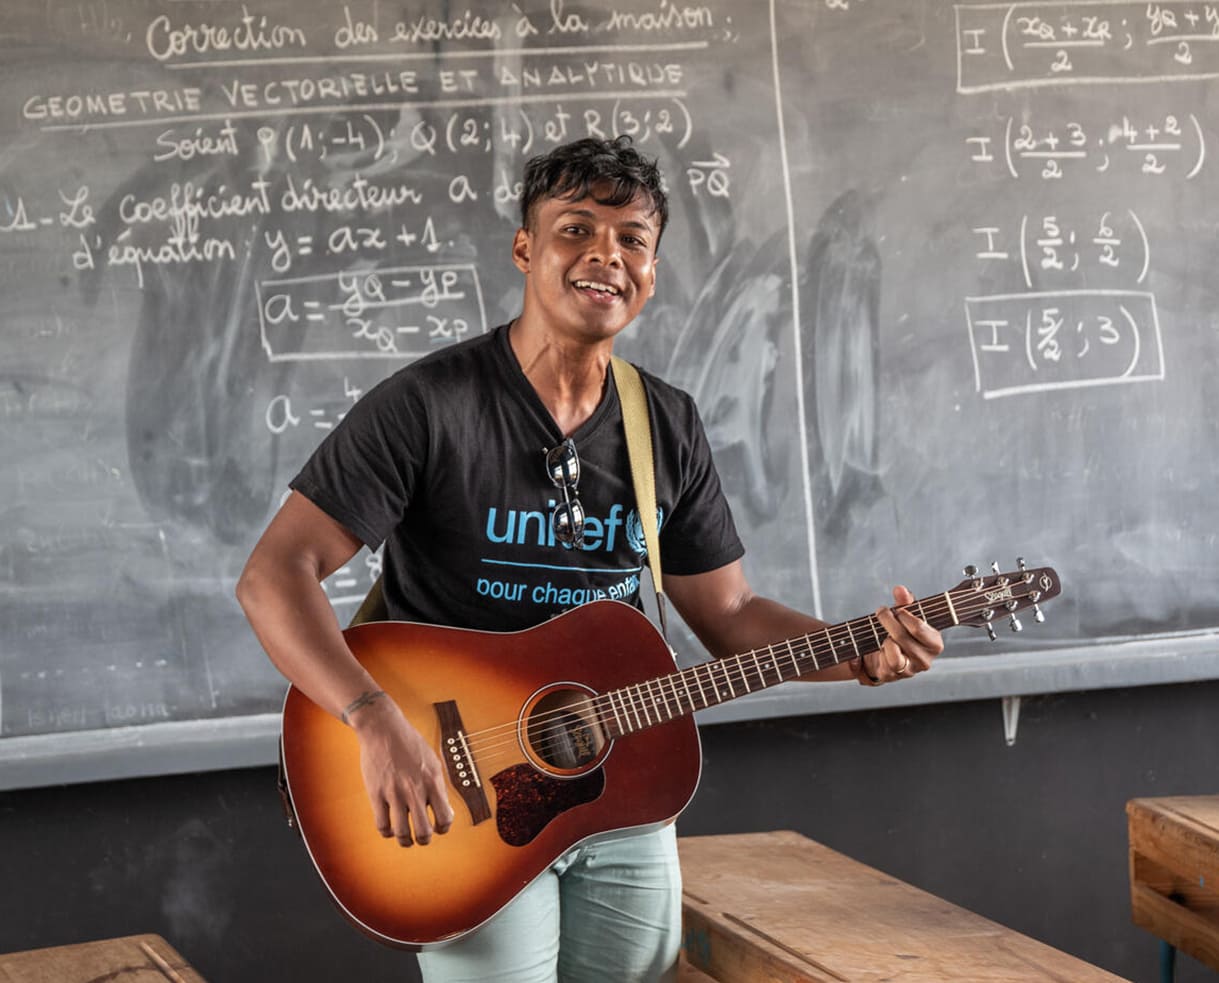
point(700, 534)
point(364, 473)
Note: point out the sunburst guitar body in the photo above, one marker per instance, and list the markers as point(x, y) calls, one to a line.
point(535, 764)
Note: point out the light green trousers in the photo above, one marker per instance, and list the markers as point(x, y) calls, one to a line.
point(607, 912)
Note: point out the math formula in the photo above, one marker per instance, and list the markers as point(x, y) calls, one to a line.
point(1097, 169)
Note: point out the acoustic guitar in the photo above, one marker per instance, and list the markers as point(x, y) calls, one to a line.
point(580, 727)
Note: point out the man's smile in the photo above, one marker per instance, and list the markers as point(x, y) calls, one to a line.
point(603, 289)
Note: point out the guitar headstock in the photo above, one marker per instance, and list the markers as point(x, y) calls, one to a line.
point(981, 598)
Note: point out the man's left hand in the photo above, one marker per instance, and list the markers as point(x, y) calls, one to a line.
point(911, 647)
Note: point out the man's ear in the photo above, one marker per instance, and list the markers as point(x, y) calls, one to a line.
point(652, 289)
point(520, 250)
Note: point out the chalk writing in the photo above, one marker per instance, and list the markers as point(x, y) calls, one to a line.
point(1171, 145)
point(1080, 323)
point(1047, 340)
point(1020, 45)
point(1049, 246)
point(391, 313)
point(165, 39)
point(351, 582)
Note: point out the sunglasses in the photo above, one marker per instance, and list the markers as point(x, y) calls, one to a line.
point(567, 519)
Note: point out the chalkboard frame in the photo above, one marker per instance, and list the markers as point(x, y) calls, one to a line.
point(252, 741)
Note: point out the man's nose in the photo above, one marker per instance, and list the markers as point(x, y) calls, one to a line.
point(603, 248)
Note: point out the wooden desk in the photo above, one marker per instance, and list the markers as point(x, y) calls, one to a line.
point(688, 974)
point(1174, 872)
point(132, 959)
point(778, 907)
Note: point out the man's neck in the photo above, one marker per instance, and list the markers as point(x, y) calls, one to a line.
point(568, 377)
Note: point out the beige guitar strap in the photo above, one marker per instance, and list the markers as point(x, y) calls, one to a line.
point(639, 449)
point(372, 608)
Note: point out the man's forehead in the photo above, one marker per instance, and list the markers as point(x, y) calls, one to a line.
point(639, 211)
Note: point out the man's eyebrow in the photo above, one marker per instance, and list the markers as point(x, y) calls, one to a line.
point(588, 213)
point(636, 224)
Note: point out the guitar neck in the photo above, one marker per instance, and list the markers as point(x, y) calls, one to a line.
point(974, 601)
point(717, 681)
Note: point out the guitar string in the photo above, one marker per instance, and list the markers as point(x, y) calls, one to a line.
point(604, 701)
point(675, 688)
point(652, 701)
point(720, 673)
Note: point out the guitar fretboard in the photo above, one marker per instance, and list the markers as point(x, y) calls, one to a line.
point(655, 701)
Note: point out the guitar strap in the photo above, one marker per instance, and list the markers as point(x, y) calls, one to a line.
point(372, 608)
point(638, 429)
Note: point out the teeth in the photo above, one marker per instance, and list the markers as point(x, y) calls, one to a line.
point(604, 288)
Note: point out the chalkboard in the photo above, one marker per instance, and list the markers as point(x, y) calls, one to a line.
point(939, 276)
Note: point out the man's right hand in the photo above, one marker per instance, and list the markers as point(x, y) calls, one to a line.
point(403, 775)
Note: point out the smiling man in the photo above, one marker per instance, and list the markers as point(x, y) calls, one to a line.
point(495, 472)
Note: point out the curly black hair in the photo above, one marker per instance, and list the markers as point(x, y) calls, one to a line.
point(611, 172)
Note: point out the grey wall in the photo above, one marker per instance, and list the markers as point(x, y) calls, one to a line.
point(1033, 836)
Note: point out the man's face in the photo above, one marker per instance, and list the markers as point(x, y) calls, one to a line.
point(589, 268)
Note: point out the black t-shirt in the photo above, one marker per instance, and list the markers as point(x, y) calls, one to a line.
point(444, 462)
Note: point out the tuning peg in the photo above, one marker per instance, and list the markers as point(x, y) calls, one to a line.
point(1012, 621)
point(971, 572)
point(1035, 595)
point(987, 615)
point(1002, 581)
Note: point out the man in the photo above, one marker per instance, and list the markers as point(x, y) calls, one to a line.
point(451, 463)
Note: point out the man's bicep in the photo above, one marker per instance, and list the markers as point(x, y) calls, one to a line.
point(709, 601)
point(302, 533)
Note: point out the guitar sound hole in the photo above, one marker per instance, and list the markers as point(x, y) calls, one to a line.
point(563, 732)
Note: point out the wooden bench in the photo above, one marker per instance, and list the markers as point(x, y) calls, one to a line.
point(132, 959)
point(1174, 874)
point(778, 907)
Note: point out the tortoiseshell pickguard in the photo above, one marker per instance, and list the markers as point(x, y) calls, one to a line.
point(526, 800)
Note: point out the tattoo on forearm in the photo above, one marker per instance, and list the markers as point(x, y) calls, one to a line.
point(371, 696)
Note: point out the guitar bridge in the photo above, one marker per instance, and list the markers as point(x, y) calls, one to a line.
point(459, 760)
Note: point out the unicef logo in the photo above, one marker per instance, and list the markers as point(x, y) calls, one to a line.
point(634, 530)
